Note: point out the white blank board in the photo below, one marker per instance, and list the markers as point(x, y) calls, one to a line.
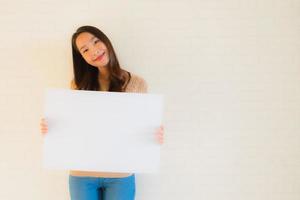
point(102, 131)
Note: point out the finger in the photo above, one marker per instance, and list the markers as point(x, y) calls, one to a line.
point(44, 126)
point(160, 133)
point(161, 141)
point(43, 123)
point(43, 120)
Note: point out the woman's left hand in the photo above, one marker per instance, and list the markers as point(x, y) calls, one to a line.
point(159, 135)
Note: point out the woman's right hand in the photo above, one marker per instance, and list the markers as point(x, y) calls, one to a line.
point(43, 126)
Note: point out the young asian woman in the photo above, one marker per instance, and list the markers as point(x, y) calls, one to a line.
point(96, 68)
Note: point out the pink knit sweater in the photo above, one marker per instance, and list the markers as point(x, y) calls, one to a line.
point(136, 84)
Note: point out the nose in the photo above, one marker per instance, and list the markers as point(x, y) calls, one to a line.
point(96, 52)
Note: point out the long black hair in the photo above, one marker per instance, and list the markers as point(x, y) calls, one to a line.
point(86, 75)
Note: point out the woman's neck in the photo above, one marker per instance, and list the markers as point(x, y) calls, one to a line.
point(103, 74)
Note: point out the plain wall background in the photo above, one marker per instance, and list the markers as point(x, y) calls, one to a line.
point(229, 71)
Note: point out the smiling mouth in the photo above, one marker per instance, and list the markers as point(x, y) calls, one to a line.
point(100, 57)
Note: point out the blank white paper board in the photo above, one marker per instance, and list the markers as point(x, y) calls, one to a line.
point(102, 131)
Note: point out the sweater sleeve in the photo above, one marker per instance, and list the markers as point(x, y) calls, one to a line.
point(137, 84)
point(143, 86)
point(73, 85)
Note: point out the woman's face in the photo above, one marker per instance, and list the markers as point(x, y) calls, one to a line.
point(92, 50)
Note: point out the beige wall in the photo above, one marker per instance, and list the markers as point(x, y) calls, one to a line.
point(230, 72)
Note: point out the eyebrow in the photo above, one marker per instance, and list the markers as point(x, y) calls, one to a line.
point(89, 42)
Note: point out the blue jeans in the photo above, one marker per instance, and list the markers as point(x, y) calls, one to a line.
point(96, 188)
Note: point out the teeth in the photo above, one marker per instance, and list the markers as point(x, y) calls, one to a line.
point(99, 56)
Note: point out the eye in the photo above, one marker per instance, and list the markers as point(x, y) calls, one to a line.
point(85, 50)
point(96, 41)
